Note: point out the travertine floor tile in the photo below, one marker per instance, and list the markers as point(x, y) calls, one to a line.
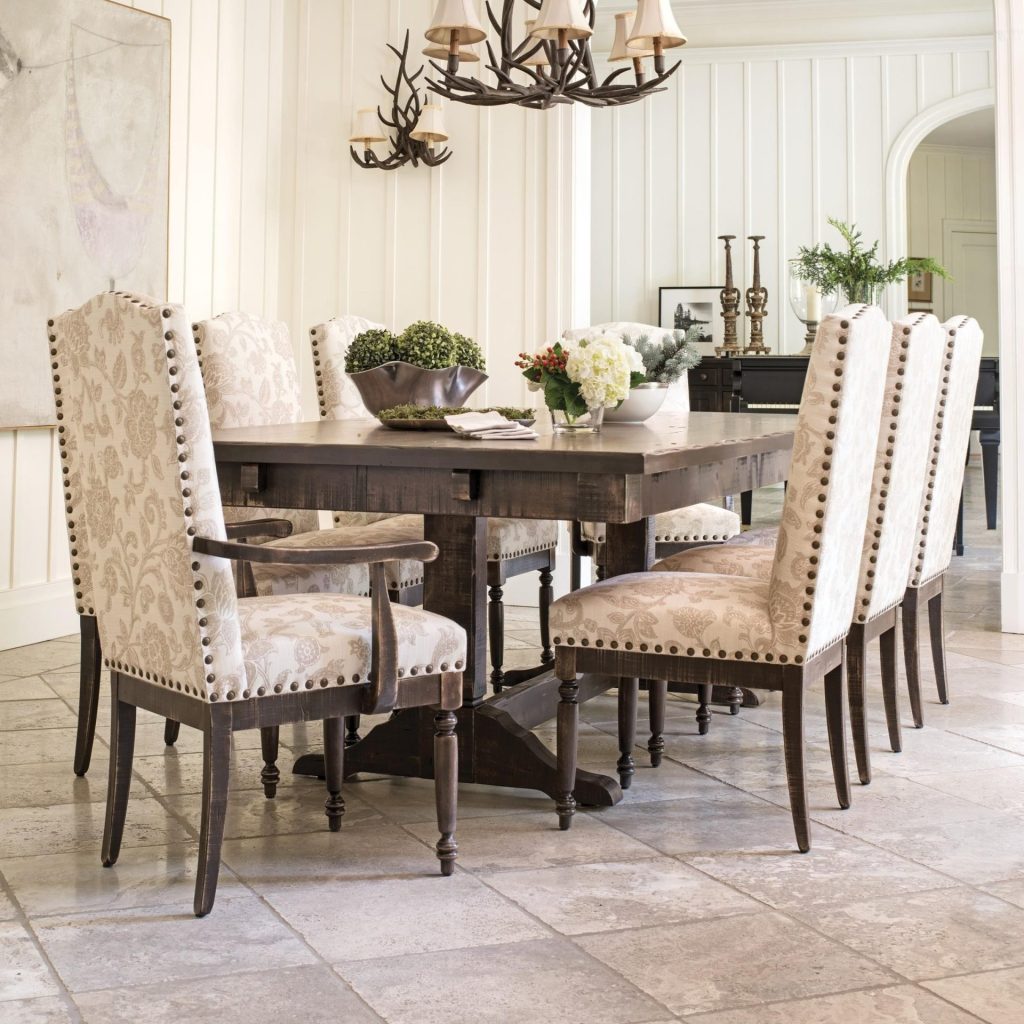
point(930, 934)
point(733, 961)
point(1001, 789)
point(30, 688)
point(166, 943)
point(604, 897)
point(996, 997)
point(22, 715)
point(42, 745)
point(46, 1010)
point(23, 972)
point(310, 995)
point(42, 785)
point(412, 800)
point(179, 772)
point(30, 661)
point(548, 980)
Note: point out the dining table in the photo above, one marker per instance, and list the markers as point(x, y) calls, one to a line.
point(623, 475)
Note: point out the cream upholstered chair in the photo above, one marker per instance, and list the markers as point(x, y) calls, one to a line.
point(901, 462)
point(784, 633)
point(134, 427)
point(514, 546)
point(937, 523)
point(90, 653)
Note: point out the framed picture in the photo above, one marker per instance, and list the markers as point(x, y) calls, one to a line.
point(920, 309)
point(685, 307)
point(919, 287)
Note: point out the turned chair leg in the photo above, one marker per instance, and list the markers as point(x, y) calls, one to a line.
point(88, 692)
point(937, 633)
point(912, 655)
point(735, 700)
point(836, 723)
point(547, 595)
point(657, 697)
point(216, 762)
point(352, 736)
point(704, 709)
point(270, 776)
point(496, 630)
point(171, 731)
point(856, 654)
point(890, 688)
point(576, 572)
point(566, 748)
point(122, 750)
point(334, 770)
point(796, 772)
point(446, 787)
point(626, 766)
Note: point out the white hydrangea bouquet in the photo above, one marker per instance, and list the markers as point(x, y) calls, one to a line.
point(580, 379)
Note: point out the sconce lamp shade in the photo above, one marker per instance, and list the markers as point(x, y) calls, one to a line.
point(466, 53)
point(430, 126)
point(455, 16)
point(655, 26)
point(623, 28)
point(366, 128)
point(562, 16)
point(540, 58)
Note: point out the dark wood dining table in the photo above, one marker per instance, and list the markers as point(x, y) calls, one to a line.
point(622, 476)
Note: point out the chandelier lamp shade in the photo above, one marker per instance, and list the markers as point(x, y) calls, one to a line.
point(655, 29)
point(366, 129)
point(551, 63)
point(430, 127)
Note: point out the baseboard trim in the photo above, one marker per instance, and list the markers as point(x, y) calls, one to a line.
point(30, 615)
point(1012, 601)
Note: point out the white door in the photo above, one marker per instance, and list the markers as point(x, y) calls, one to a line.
point(971, 256)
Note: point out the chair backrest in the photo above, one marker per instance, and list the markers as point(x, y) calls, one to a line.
point(901, 463)
point(678, 399)
point(134, 429)
point(251, 380)
point(954, 410)
point(814, 576)
point(338, 397)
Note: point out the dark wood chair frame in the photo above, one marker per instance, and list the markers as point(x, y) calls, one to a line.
point(791, 680)
point(90, 670)
point(930, 592)
point(329, 704)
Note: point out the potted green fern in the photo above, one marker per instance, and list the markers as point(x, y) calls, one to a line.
point(856, 272)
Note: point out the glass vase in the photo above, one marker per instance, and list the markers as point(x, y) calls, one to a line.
point(863, 291)
point(588, 423)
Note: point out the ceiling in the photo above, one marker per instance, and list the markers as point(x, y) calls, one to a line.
point(977, 130)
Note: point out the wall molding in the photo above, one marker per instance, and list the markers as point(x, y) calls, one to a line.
point(30, 615)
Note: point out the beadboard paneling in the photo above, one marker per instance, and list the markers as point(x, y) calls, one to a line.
point(758, 140)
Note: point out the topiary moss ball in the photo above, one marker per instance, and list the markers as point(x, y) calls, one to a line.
point(468, 353)
point(370, 349)
point(427, 345)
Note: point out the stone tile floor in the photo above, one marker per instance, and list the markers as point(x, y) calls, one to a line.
point(685, 901)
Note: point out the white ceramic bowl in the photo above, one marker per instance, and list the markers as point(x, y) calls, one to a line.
point(643, 402)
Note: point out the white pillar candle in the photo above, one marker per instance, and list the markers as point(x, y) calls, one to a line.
point(813, 297)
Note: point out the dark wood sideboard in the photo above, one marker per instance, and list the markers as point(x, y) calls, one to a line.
point(775, 383)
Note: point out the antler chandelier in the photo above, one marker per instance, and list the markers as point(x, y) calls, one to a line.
point(553, 63)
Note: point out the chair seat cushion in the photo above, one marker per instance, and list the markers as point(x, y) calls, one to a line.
point(763, 537)
point(510, 538)
point(306, 640)
point(669, 613)
point(722, 560)
point(688, 525)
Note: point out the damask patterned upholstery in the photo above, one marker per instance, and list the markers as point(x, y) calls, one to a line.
point(690, 525)
point(952, 420)
point(901, 458)
point(339, 400)
point(134, 427)
point(807, 603)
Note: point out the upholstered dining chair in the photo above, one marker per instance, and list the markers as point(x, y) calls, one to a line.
point(514, 546)
point(786, 633)
point(134, 427)
point(938, 513)
point(916, 357)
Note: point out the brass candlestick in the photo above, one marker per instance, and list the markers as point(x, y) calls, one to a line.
point(757, 305)
point(730, 298)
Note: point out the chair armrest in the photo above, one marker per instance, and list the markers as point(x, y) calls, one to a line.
point(259, 528)
point(418, 551)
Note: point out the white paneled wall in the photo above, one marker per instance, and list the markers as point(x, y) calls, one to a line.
point(758, 140)
point(225, 212)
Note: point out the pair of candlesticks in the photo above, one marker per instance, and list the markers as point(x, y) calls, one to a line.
point(757, 305)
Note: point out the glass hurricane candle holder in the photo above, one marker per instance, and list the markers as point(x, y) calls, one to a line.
point(809, 304)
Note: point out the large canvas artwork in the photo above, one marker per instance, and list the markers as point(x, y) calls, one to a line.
point(84, 116)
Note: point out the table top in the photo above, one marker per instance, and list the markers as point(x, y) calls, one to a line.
point(668, 441)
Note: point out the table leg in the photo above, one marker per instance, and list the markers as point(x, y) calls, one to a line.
point(746, 507)
point(990, 471)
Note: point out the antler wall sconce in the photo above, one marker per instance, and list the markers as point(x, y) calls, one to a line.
point(416, 127)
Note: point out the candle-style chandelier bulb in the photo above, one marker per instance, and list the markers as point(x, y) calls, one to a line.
point(655, 28)
point(455, 24)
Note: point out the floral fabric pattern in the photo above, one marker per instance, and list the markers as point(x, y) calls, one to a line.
point(722, 560)
point(688, 525)
point(953, 413)
point(312, 640)
point(338, 397)
point(131, 398)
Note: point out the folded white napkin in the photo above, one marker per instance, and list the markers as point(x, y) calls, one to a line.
point(491, 426)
